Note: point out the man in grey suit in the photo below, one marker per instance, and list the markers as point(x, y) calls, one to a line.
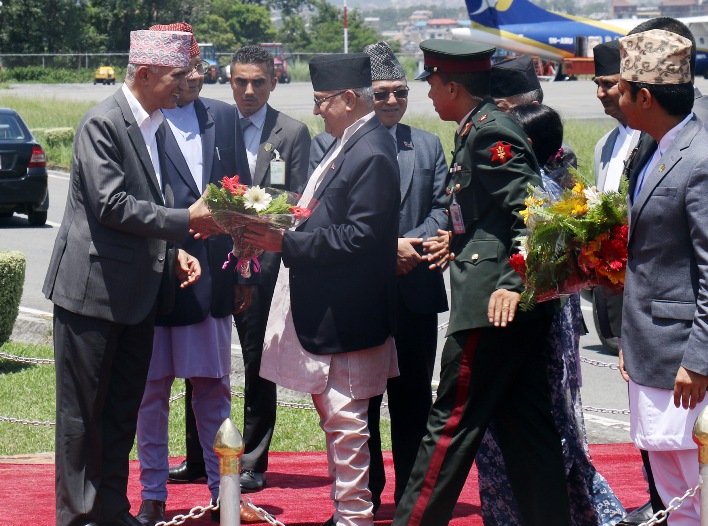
point(664, 330)
point(420, 291)
point(277, 148)
point(109, 264)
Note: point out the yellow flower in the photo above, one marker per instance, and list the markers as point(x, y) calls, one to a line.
point(578, 189)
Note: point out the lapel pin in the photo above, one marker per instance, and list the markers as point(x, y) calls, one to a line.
point(332, 167)
point(662, 168)
point(407, 144)
point(268, 147)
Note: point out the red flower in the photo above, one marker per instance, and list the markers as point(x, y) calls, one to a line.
point(518, 263)
point(299, 212)
point(233, 186)
point(607, 255)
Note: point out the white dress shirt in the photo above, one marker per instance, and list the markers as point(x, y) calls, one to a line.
point(619, 154)
point(148, 124)
point(252, 136)
point(185, 127)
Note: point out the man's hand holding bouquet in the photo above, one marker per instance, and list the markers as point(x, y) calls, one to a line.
point(235, 206)
point(575, 241)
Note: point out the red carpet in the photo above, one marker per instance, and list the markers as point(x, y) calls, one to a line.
point(297, 492)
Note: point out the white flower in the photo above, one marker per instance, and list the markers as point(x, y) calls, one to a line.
point(592, 196)
point(256, 198)
point(523, 248)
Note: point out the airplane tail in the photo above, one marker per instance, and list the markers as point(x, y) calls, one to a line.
point(493, 13)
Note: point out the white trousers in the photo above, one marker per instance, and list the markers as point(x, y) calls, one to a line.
point(345, 423)
point(675, 472)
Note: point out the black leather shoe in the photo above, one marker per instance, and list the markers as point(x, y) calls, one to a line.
point(126, 519)
point(638, 516)
point(252, 481)
point(186, 472)
point(151, 512)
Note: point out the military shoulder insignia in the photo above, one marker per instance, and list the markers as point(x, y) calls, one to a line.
point(483, 118)
point(466, 130)
point(501, 152)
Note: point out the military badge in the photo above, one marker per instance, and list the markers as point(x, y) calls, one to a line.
point(466, 130)
point(501, 152)
point(483, 118)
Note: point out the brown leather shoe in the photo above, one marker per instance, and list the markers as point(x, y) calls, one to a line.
point(151, 512)
point(247, 515)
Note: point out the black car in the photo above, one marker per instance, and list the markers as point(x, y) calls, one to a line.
point(23, 171)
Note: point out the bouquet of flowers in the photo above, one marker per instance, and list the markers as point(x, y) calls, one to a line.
point(236, 205)
point(576, 240)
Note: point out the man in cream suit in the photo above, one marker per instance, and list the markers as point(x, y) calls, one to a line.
point(664, 329)
point(108, 276)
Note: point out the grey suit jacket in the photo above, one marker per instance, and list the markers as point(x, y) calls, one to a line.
point(665, 314)
point(109, 253)
point(292, 140)
point(422, 212)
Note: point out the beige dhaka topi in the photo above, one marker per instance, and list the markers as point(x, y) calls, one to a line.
point(655, 57)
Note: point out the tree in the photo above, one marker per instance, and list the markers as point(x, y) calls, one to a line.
point(326, 30)
point(215, 30)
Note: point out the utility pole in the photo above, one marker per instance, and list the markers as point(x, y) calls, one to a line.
point(346, 29)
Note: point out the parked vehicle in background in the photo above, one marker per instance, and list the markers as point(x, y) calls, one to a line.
point(208, 53)
point(104, 75)
point(23, 171)
point(281, 54)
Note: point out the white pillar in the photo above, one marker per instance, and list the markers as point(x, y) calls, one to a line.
point(228, 445)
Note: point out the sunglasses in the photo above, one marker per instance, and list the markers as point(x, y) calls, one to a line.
point(199, 69)
point(384, 95)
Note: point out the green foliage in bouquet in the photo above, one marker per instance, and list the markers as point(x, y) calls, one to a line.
point(236, 197)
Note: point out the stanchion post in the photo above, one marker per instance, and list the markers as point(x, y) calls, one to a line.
point(700, 437)
point(228, 445)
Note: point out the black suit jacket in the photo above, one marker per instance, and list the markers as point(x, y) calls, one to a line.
point(342, 260)
point(213, 292)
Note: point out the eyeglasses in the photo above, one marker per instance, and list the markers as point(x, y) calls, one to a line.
point(199, 69)
point(319, 101)
point(384, 95)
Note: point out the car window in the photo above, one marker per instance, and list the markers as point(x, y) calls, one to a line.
point(10, 129)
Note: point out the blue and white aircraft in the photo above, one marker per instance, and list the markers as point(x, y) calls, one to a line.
point(522, 27)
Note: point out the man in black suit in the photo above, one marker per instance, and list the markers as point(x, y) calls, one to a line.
point(109, 274)
point(331, 323)
point(420, 292)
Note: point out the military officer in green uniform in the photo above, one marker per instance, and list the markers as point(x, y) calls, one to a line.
point(493, 363)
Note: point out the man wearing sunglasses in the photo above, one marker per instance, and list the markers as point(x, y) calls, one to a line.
point(420, 291)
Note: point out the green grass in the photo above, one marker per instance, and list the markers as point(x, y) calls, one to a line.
point(39, 115)
point(27, 393)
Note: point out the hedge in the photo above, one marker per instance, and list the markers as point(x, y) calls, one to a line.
point(12, 278)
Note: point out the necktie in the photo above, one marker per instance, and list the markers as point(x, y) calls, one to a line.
point(245, 123)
